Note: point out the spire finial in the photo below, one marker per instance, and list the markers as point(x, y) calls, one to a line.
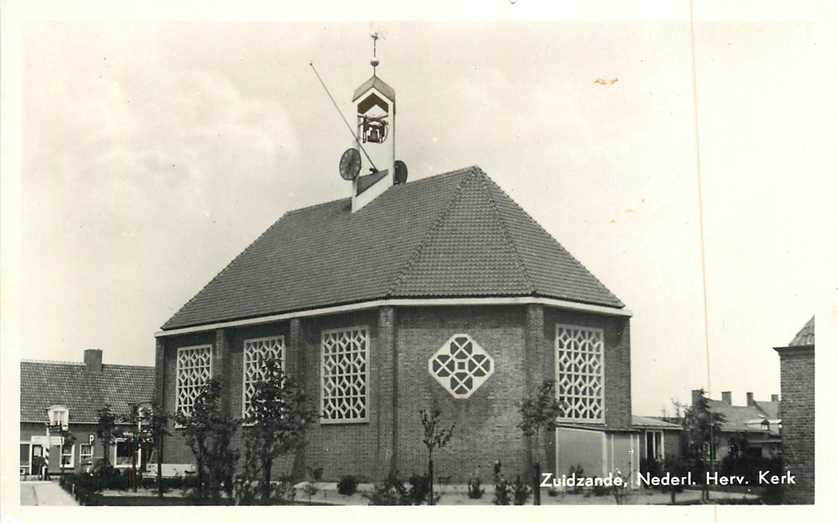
point(374, 62)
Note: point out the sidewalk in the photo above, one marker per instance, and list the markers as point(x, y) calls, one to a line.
point(44, 493)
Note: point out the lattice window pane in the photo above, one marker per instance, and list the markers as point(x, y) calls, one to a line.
point(579, 372)
point(194, 369)
point(461, 365)
point(344, 375)
point(256, 352)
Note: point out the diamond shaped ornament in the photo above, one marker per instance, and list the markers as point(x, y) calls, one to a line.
point(461, 366)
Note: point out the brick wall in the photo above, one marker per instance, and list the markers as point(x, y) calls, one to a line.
point(797, 410)
point(520, 339)
point(175, 449)
point(348, 448)
point(485, 422)
point(617, 365)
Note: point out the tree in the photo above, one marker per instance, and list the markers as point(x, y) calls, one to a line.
point(538, 415)
point(276, 423)
point(208, 432)
point(151, 425)
point(106, 431)
point(702, 427)
point(434, 438)
point(154, 426)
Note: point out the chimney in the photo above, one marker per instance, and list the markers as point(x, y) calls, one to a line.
point(775, 398)
point(93, 360)
point(726, 397)
point(696, 393)
point(750, 396)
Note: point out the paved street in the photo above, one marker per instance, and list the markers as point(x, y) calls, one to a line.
point(44, 493)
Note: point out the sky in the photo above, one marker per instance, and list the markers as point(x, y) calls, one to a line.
point(153, 152)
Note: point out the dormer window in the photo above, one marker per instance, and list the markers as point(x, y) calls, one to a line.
point(59, 416)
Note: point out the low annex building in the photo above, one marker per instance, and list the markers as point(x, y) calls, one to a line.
point(402, 296)
point(659, 439)
point(756, 423)
point(70, 394)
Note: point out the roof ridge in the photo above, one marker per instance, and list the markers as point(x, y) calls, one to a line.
point(123, 365)
point(570, 256)
point(435, 226)
point(53, 362)
point(505, 227)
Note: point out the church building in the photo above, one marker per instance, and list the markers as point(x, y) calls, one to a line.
point(404, 296)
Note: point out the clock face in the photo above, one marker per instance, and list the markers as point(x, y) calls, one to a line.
point(350, 164)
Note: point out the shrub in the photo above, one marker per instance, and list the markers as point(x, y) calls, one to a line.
point(599, 489)
point(310, 489)
point(503, 491)
point(520, 491)
point(552, 492)
point(250, 492)
point(347, 485)
point(620, 493)
point(420, 487)
point(474, 490)
point(316, 474)
point(389, 492)
point(579, 472)
point(84, 487)
point(650, 466)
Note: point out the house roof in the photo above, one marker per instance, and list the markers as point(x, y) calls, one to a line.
point(452, 235)
point(806, 335)
point(653, 423)
point(771, 409)
point(742, 418)
point(43, 384)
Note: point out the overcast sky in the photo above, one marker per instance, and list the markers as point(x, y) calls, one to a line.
point(154, 152)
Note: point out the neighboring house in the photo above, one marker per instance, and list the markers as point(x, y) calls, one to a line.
point(797, 385)
point(757, 422)
point(70, 394)
point(658, 438)
point(403, 296)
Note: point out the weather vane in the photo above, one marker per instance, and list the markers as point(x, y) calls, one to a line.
point(374, 62)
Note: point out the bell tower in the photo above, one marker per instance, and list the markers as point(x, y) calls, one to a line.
point(375, 108)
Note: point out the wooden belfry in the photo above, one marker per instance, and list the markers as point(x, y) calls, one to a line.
point(373, 111)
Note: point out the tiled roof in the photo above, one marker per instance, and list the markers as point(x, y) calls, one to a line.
point(43, 384)
point(771, 409)
point(806, 335)
point(653, 423)
point(451, 235)
point(741, 418)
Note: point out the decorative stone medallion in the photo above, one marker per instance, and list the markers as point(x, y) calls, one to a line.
point(461, 366)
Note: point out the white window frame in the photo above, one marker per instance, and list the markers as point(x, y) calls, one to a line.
point(659, 454)
point(368, 363)
point(601, 332)
point(89, 456)
point(139, 456)
point(59, 414)
point(72, 455)
point(207, 347)
point(245, 382)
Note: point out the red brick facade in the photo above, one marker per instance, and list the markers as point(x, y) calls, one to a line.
point(519, 338)
point(797, 410)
